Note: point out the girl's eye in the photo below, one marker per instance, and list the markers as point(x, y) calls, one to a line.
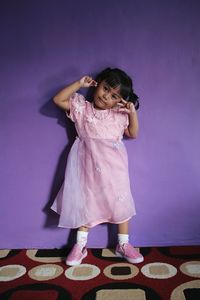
point(114, 96)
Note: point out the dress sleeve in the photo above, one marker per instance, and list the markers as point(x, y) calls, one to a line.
point(123, 120)
point(126, 121)
point(77, 107)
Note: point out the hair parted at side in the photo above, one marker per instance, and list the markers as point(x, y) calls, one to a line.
point(116, 77)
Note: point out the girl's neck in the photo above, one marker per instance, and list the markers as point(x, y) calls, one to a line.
point(100, 114)
point(101, 109)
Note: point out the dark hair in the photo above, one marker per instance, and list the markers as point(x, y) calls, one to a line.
point(117, 77)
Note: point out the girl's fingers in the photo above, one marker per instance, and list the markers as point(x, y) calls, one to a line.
point(87, 81)
point(130, 108)
point(94, 83)
point(90, 81)
point(123, 110)
point(126, 104)
point(120, 104)
point(123, 101)
point(88, 78)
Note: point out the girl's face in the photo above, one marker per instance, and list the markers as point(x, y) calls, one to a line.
point(106, 97)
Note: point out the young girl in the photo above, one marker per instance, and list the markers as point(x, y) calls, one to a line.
point(96, 188)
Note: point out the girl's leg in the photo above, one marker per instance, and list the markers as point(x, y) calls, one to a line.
point(79, 251)
point(83, 228)
point(123, 228)
point(82, 235)
point(123, 237)
point(124, 249)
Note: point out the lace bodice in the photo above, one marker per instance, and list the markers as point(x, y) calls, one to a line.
point(94, 123)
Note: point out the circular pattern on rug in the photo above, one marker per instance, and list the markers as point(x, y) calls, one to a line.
point(11, 272)
point(37, 291)
point(45, 272)
point(159, 270)
point(46, 256)
point(82, 272)
point(5, 253)
point(187, 290)
point(183, 252)
point(121, 271)
point(191, 268)
point(121, 290)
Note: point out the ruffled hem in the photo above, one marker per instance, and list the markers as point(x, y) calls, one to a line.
point(93, 224)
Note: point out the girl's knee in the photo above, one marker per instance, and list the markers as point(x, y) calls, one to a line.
point(83, 228)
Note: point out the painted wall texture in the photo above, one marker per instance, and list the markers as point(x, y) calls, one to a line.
point(47, 44)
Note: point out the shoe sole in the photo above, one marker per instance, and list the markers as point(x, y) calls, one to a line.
point(131, 260)
point(76, 262)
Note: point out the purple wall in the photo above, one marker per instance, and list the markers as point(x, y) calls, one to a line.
point(47, 44)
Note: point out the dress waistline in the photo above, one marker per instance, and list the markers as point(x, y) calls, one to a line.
point(82, 138)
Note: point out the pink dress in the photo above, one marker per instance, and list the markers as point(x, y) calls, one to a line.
point(96, 188)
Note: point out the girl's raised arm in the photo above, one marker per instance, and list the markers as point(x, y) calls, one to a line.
point(62, 98)
point(128, 107)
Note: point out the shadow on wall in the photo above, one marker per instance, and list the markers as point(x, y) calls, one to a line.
point(49, 109)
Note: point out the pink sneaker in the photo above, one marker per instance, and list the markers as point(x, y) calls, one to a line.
point(128, 252)
point(76, 256)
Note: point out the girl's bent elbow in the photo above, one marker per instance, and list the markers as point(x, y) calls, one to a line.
point(133, 136)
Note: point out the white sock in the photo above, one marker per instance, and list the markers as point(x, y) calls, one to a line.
point(81, 238)
point(123, 238)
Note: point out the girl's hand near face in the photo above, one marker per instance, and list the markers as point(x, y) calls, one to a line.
point(87, 81)
point(129, 108)
point(62, 98)
point(126, 107)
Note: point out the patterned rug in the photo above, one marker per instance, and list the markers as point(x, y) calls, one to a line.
point(167, 273)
